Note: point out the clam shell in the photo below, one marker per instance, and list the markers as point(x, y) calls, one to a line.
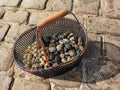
point(72, 53)
point(59, 47)
point(52, 49)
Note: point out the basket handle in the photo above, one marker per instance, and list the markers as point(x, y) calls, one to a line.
point(60, 14)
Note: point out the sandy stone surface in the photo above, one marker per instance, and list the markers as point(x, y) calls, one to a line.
point(2, 11)
point(6, 56)
point(14, 32)
point(16, 16)
point(21, 84)
point(110, 8)
point(89, 7)
point(54, 5)
point(10, 3)
point(34, 4)
point(3, 28)
point(4, 81)
point(100, 67)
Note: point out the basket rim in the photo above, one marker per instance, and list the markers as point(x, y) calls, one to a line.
point(50, 68)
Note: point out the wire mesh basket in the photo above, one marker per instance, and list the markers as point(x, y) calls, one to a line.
point(62, 25)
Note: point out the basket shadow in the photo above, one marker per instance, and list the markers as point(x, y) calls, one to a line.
point(93, 68)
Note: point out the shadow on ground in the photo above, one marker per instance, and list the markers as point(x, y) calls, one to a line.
point(93, 66)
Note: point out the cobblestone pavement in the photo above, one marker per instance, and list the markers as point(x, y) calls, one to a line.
point(99, 17)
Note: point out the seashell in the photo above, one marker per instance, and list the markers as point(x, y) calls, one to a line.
point(24, 61)
point(65, 49)
point(58, 59)
point(51, 56)
point(42, 62)
point(42, 52)
point(39, 55)
point(66, 34)
point(73, 42)
point(46, 65)
point(33, 60)
point(66, 40)
point(56, 39)
point(59, 47)
point(70, 35)
point(52, 49)
point(78, 52)
point(25, 56)
point(66, 54)
point(52, 45)
point(43, 57)
point(27, 51)
point(35, 66)
point(29, 47)
point(46, 39)
point(79, 41)
point(76, 39)
point(56, 53)
point(27, 66)
point(81, 48)
point(61, 42)
point(55, 35)
point(29, 56)
point(52, 40)
point(54, 64)
point(64, 60)
point(34, 48)
point(62, 55)
point(27, 62)
point(68, 46)
point(60, 37)
point(35, 55)
point(76, 46)
point(68, 58)
point(71, 38)
point(72, 53)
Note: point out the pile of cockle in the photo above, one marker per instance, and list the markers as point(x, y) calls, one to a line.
point(60, 48)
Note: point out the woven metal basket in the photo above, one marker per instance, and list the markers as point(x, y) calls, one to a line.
point(62, 25)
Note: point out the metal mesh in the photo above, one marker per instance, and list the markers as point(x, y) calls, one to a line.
point(28, 37)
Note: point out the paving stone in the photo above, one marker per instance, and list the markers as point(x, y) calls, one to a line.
point(109, 84)
point(2, 11)
point(22, 84)
point(79, 18)
point(66, 83)
point(86, 7)
point(113, 39)
point(84, 86)
point(56, 87)
point(38, 16)
point(70, 79)
point(110, 8)
point(34, 4)
point(10, 72)
point(3, 29)
point(55, 5)
point(75, 88)
point(94, 68)
point(104, 25)
point(14, 32)
point(9, 2)
point(4, 81)
point(27, 76)
point(5, 56)
point(16, 16)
